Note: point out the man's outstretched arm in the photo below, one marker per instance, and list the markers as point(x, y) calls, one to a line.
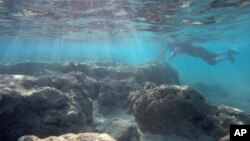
point(173, 54)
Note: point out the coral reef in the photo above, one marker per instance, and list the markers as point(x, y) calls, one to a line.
point(120, 129)
point(49, 105)
point(128, 102)
point(45, 99)
point(72, 137)
point(183, 111)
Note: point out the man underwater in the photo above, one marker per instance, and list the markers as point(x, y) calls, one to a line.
point(209, 57)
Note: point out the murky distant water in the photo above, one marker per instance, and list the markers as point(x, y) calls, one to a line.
point(133, 31)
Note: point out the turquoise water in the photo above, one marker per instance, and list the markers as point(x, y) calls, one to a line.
point(133, 32)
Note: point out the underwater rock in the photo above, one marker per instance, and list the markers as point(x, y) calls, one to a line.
point(90, 84)
point(67, 83)
point(171, 110)
point(71, 137)
point(228, 115)
point(24, 68)
point(113, 95)
point(182, 111)
point(159, 73)
point(158, 137)
point(134, 95)
point(121, 130)
point(51, 99)
point(42, 106)
point(225, 138)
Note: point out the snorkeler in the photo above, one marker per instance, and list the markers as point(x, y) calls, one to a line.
point(200, 52)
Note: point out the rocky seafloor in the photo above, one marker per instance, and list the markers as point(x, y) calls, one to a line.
point(105, 101)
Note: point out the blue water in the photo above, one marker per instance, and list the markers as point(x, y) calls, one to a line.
point(134, 41)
